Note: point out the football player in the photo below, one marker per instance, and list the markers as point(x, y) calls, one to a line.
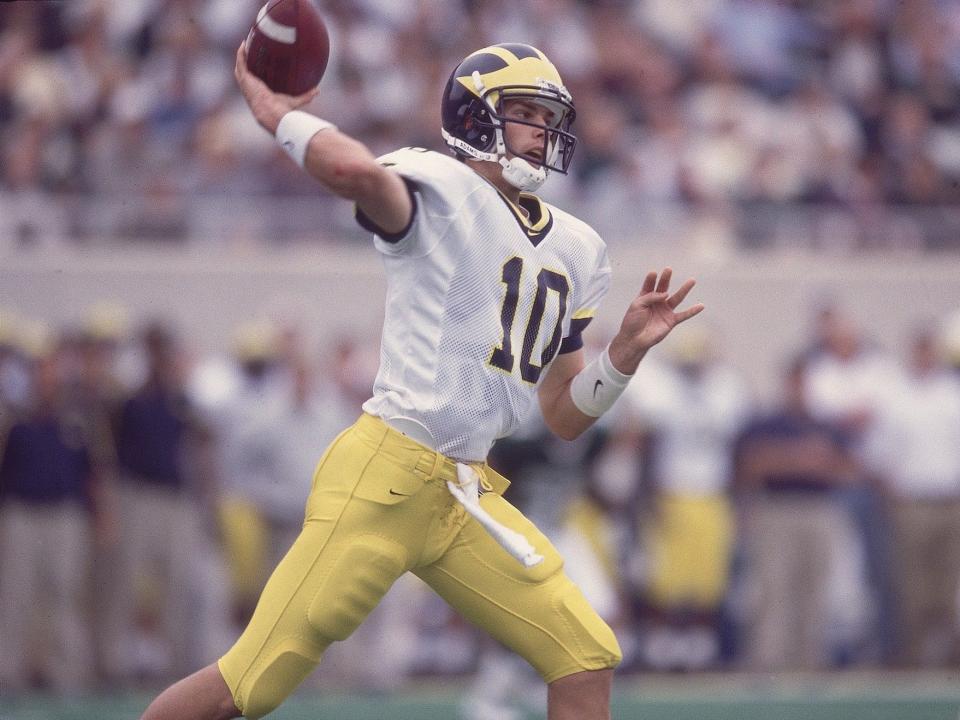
point(489, 290)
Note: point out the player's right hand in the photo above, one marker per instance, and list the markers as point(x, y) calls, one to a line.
point(266, 105)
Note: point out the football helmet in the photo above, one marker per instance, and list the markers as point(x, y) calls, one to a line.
point(473, 115)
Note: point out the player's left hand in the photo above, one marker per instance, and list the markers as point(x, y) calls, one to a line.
point(266, 105)
point(649, 319)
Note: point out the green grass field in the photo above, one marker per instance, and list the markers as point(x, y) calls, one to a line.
point(829, 697)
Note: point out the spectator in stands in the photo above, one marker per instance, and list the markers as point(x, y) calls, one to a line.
point(14, 378)
point(917, 437)
point(693, 409)
point(163, 454)
point(776, 101)
point(950, 340)
point(247, 466)
point(794, 527)
point(94, 395)
point(846, 382)
point(48, 498)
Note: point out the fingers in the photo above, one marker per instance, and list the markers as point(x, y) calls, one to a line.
point(664, 283)
point(661, 284)
point(651, 298)
point(688, 313)
point(681, 293)
point(655, 289)
point(649, 282)
point(306, 97)
point(240, 66)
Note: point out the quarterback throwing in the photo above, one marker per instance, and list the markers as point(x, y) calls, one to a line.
point(489, 290)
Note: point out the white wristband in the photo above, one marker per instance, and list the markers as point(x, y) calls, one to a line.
point(295, 130)
point(596, 388)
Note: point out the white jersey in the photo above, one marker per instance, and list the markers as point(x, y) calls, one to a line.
point(479, 301)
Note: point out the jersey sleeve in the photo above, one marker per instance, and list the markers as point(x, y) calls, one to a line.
point(596, 288)
point(437, 187)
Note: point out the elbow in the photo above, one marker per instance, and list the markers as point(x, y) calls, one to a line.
point(564, 430)
point(569, 433)
point(567, 423)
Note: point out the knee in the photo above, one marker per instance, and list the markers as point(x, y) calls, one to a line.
point(581, 695)
point(593, 645)
point(227, 709)
point(264, 690)
point(203, 694)
point(586, 679)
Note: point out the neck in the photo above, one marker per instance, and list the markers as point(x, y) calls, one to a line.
point(493, 174)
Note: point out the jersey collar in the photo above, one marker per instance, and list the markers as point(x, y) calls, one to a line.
point(540, 219)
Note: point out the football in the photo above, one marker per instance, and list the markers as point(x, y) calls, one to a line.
point(288, 46)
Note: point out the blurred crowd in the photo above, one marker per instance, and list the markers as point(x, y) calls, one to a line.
point(728, 105)
point(146, 492)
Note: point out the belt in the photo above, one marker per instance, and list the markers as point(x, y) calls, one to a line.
point(472, 479)
point(467, 491)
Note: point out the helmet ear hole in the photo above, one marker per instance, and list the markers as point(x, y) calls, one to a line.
point(476, 125)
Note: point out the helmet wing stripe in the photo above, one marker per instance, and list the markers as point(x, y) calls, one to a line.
point(505, 55)
point(521, 51)
point(485, 62)
point(521, 72)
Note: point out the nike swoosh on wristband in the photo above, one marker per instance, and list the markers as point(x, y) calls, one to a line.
point(596, 386)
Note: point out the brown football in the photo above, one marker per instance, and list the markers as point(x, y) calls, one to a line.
point(288, 46)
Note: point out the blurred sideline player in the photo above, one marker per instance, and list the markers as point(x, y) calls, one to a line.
point(489, 290)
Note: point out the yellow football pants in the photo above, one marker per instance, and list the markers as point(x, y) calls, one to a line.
point(379, 506)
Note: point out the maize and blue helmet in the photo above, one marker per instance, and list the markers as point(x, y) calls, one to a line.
point(473, 118)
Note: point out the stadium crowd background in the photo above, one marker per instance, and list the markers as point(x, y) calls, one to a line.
point(732, 107)
point(178, 473)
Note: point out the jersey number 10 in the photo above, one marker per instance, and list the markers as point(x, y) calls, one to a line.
point(547, 280)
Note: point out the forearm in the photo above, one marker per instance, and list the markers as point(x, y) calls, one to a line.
point(340, 163)
point(574, 394)
point(344, 166)
point(347, 168)
point(562, 416)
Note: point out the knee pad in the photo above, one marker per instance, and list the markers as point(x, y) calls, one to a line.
point(351, 586)
point(280, 674)
point(589, 642)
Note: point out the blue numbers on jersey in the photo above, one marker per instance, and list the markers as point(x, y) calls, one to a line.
point(502, 356)
point(547, 280)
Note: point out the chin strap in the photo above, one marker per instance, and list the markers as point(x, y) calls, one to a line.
point(522, 174)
